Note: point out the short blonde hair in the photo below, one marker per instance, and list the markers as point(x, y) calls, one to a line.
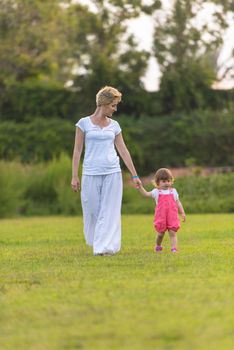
point(163, 174)
point(107, 95)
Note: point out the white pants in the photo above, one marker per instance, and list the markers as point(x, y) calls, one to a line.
point(101, 198)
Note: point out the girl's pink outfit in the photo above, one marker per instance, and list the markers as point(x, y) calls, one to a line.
point(166, 213)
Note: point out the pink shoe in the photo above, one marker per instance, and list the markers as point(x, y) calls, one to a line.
point(174, 250)
point(158, 248)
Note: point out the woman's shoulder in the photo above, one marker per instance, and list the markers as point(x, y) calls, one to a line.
point(82, 121)
point(115, 125)
point(114, 122)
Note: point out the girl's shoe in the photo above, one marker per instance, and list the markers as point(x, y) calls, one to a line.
point(174, 250)
point(158, 248)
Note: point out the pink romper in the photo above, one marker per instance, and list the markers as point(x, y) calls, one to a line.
point(166, 213)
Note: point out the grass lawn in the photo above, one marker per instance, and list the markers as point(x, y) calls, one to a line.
point(55, 294)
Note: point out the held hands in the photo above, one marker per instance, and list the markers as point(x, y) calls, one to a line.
point(75, 184)
point(136, 181)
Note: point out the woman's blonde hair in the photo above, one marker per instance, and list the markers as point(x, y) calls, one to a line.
point(107, 95)
point(162, 174)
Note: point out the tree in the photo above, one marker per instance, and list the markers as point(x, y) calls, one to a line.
point(104, 53)
point(31, 33)
point(186, 54)
point(69, 44)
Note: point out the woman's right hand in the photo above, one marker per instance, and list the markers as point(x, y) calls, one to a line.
point(75, 184)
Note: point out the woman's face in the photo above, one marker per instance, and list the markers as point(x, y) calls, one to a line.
point(110, 108)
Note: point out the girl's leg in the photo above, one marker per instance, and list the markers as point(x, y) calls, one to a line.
point(159, 239)
point(173, 239)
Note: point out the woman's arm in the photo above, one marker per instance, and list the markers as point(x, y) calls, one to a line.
point(125, 155)
point(78, 147)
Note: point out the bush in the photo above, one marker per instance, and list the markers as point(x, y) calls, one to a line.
point(38, 141)
point(44, 189)
point(49, 192)
point(23, 102)
point(12, 184)
point(172, 140)
point(206, 137)
point(211, 194)
point(198, 194)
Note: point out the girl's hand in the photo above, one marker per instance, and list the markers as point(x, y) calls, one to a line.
point(183, 217)
point(75, 184)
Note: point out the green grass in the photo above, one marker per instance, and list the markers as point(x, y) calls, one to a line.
point(56, 295)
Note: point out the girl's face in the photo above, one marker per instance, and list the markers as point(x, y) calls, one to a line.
point(164, 184)
point(110, 108)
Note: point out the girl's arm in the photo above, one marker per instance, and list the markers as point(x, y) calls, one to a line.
point(144, 192)
point(78, 147)
point(125, 155)
point(181, 210)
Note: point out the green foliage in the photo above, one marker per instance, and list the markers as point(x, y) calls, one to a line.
point(40, 140)
point(12, 184)
point(178, 38)
point(169, 140)
point(211, 194)
point(30, 100)
point(33, 44)
point(66, 42)
point(187, 59)
point(40, 189)
point(47, 46)
point(44, 189)
point(48, 190)
point(185, 88)
point(110, 55)
point(27, 101)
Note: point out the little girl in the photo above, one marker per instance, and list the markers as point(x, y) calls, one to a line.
point(166, 210)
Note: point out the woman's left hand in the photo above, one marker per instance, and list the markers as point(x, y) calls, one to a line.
point(137, 182)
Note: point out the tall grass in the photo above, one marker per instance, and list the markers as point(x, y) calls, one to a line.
point(44, 189)
point(12, 185)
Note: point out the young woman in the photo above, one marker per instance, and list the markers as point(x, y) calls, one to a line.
point(101, 187)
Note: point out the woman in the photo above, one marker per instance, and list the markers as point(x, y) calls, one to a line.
point(102, 187)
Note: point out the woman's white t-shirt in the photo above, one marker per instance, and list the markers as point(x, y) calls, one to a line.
point(155, 193)
point(100, 156)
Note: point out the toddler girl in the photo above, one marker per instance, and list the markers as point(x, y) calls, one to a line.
point(166, 210)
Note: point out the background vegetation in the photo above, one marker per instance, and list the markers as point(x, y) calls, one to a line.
point(44, 189)
point(54, 56)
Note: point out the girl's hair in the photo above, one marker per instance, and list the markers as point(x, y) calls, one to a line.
point(162, 174)
point(107, 95)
